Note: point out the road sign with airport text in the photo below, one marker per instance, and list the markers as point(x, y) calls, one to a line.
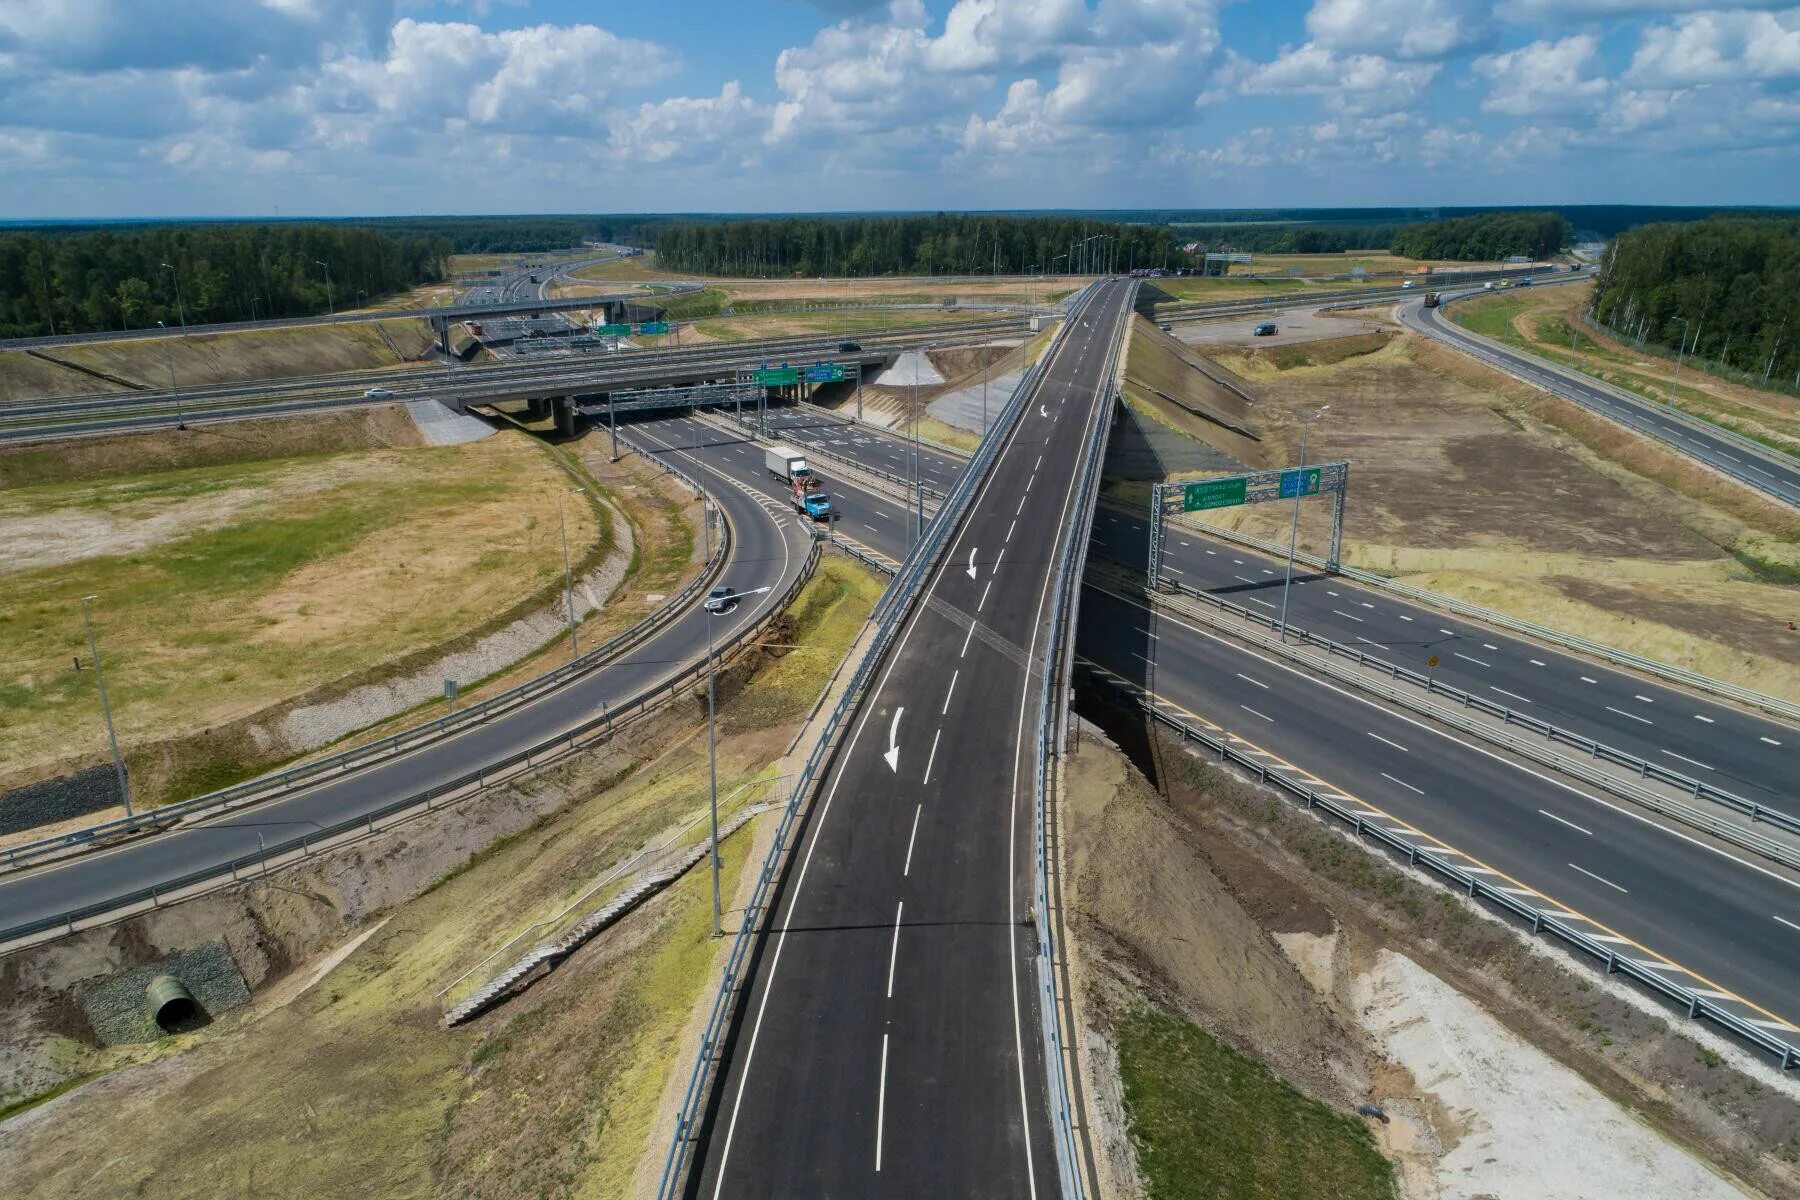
point(1213, 493)
point(776, 376)
point(613, 330)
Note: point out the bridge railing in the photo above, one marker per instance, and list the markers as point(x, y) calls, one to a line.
point(1052, 716)
point(914, 574)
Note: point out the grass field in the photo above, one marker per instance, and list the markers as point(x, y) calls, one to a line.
point(1233, 287)
point(1210, 1124)
point(849, 321)
point(227, 587)
point(355, 1088)
point(210, 358)
point(1467, 482)
point(1545, 322)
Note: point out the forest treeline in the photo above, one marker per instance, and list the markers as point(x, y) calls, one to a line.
point(1486, 237)
point(1725, 289)
point(934, 245)
point(117, 279)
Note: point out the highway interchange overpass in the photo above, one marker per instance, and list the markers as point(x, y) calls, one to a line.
point(887, 1039)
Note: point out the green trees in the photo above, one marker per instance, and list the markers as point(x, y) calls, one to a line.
point(903, 245)
point(116, 279)
point(1485, 237)
point(1726, 289)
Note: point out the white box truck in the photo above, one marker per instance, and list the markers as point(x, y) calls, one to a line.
point(786, 464)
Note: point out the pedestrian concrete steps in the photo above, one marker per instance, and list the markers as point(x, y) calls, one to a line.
point(541, 959)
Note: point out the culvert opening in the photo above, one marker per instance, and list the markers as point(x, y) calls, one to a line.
point(171, 1005)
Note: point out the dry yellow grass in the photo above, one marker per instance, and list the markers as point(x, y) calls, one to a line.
point(226, 588)
point(1467, 482)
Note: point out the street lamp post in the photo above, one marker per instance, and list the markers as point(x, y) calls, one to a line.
point(330, 307)
point(180, 308)
point(169, 358)
point(1680, 350)
point(712, 736)
point(105, 705)
point(1294, 529)
point(562, 526)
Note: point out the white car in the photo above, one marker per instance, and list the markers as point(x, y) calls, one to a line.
point(379, 394)
point(721, 600)
point(1406, 286)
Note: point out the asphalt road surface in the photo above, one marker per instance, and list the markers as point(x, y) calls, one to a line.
point(1768, 470)
point(889, 1045)
point(1709, 916)
point(769, 551)
point(1722, 744)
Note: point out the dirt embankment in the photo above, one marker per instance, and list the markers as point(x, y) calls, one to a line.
point(1503, 1069)
point(1465, 481)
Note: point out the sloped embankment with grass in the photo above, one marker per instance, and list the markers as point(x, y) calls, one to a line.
point(1465, 481)
point(230, 580)
point(339, 1079)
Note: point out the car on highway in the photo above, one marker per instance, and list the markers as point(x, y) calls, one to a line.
point(849, 347)
point(1406, 286)
point(379, 394)
point(1266, 329)
point(721, 600)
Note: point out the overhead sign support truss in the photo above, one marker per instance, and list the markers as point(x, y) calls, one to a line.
point(1254, 487)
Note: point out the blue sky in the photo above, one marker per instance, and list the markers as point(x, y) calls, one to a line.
point(112, 108)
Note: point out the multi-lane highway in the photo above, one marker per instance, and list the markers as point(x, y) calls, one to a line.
point(1708, 916)
point(1726, 746)
point(1765, 469)
point(769, 550)
point(888, 1044)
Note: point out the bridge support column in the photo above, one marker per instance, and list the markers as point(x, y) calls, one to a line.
point(537, 408)
point(565, 415)
point(441, 327)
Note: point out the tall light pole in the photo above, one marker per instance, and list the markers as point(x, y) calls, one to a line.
point(105, 705)
point(180, 308)
point(330, 307)
point(712, 735)
point(1680, 350)
point(253, 301)
point(562, 526)
point(169, 357)
point(1294, 530)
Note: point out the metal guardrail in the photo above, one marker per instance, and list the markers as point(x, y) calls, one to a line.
point(1695, 1003)
point(1773, 705)
point(645, 701)
point(1575, 768)
point(1052, 708)
point(1699, 789)
point(887, 617)
point(269, 787)
point(1491, 353)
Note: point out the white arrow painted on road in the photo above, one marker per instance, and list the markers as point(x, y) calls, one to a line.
point(972, 562)
point(1042, 411)
point(893, 750)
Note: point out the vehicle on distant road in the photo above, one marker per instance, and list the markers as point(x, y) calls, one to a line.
point(1525, 282)
point(1165, 326)
point(721, 600)
point(1266, 329)
point(1431, 299)
point(849, 347)
point(1406, 285)
point(807, 498)
point(1488, 286)
point(786, 464)
point(379, 394)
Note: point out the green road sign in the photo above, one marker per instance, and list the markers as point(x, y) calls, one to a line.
point(776, 376)
point(653, 327)
point(1213, 493)
point(1299, 481)
point(613, 330)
